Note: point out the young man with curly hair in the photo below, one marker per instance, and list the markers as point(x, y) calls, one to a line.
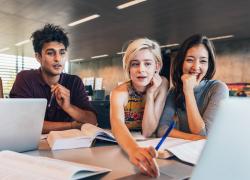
point(68, 105)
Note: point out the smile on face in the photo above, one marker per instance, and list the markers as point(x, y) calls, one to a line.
point(142, 69)
point(196, 61)
point(52, 58)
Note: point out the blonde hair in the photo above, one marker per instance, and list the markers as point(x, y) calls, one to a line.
point(137, 45)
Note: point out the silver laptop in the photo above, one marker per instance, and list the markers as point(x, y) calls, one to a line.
point(21, 123)
point(227, 152)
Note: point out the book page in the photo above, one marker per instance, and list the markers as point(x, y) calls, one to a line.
point(93, 131)
point(138, 136)
point(169, 142)
point(44, 136)
point(188, 152)
point(66, 134)
point(68, 139)
point(7, 173)
point(24, 166)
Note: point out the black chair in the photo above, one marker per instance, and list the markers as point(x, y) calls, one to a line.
point(98, 95)
point(102, 109)
point(89, 90)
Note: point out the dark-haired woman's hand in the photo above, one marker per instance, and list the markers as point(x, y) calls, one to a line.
point(189, 82)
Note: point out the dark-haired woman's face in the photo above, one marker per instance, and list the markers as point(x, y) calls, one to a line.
point(196, 62)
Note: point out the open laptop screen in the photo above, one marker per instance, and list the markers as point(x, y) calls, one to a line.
point(227, 152)
point(21, 123)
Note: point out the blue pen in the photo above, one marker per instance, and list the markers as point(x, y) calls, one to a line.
point(165, 135)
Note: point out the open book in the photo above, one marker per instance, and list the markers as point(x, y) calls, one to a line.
point(74, 138)
point(21, 166)
point(185, 150)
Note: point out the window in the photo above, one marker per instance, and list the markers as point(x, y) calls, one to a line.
point(10, 65)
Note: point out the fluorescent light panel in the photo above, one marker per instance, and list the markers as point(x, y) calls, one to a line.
point(130, 3)
point(169, 45)
point(222, 37)
point(84, 20)
point(99, 56)
point(22, 42)
point(120, 53)
point(4, 49)
point(76, 60)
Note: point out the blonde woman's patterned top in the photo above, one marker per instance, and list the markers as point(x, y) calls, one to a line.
point(134, 109)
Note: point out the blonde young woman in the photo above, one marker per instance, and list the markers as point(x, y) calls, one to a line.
point(138, 103)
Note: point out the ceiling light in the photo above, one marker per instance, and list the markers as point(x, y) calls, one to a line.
point(76, 60)
point(99, 56)
point(22, 42)
point(121, 52)
point(130, 3)
point(169, 45)
point(4, 49)
point(84, 20)
point(221, 37)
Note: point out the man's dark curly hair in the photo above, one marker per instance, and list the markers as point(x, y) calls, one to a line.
point(47, 34)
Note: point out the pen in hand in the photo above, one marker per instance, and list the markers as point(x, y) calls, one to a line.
point(53, 94)
point(51, 99)
point(165, 135)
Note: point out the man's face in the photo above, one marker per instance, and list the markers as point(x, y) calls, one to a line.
point(52, 58)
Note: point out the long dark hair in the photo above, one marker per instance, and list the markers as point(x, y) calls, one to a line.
point(177, 65)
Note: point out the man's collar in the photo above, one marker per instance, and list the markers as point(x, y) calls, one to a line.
point(41, 80)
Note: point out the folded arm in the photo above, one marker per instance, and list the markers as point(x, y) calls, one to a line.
point(153, 108)
point(179, 134)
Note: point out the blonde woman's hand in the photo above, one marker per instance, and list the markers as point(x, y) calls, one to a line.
point(154, 84)
point(144, 159)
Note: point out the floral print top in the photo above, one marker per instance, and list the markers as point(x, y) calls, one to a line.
point(134, 109)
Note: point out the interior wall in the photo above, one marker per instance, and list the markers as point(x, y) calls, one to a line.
point(233, 61)
point(110, 69)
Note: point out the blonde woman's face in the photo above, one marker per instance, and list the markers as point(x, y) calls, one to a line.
point(142, 68)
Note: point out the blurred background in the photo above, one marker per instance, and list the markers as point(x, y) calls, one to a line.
point(96, 45)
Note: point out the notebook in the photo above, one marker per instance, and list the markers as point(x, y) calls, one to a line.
point(226, 154)
point(22, 166)
point(21, 123)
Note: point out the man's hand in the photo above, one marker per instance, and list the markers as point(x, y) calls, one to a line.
point(62, 96)
point(76, 125)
